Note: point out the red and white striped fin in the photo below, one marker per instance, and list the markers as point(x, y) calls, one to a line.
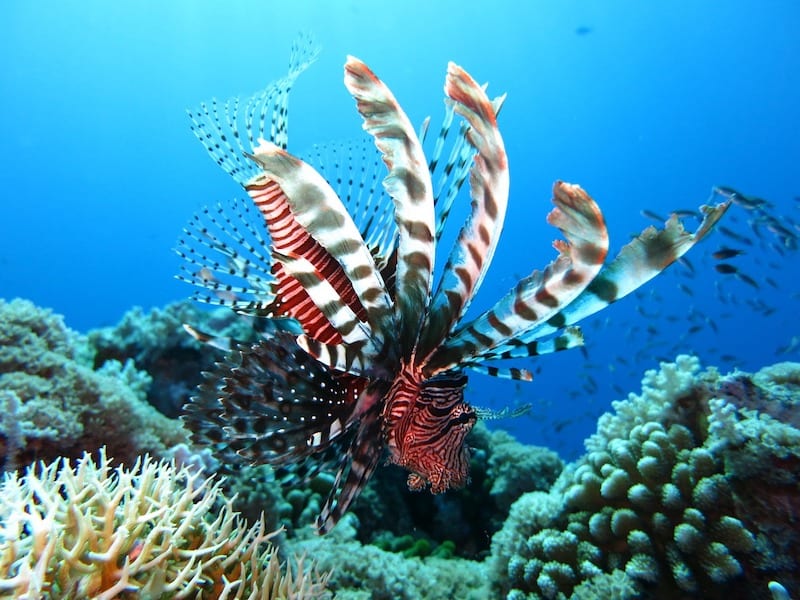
point(225, 253)
point(358, 358)
point(230, 129)
point(324, 296)
point(306, 218)
point(409, 185)
point(473, 251)
point(638, 262)
point(539, 296)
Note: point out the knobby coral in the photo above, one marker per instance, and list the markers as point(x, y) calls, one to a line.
point(687, 489)
point(93, 531)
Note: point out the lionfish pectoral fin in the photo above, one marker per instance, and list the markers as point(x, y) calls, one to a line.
point(275, 404)
point(507, 412)
point(326, 298)
point(409, 185)
point(224, 253)
point(224, 127)
point(355, 468)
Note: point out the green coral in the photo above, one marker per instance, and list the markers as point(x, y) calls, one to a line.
point(366, 571)
point(58, 405)
point(686, 489)
point(515, 468)
point(157, 342)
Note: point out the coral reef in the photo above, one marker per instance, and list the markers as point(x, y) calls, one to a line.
point(55, 404)
point(152, 531)
point(688, 489)
point(157, 343)
point(361, 571)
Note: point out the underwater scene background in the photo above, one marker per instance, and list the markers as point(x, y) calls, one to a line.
point(646, 106)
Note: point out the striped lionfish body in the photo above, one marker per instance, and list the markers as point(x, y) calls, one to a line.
point(364, 357)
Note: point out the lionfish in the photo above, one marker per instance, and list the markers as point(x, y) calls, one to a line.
point(362, 356)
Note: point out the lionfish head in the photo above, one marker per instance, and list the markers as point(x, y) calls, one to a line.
point(428, 439)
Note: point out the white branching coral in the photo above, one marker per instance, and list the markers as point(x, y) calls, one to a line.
point(152, 531)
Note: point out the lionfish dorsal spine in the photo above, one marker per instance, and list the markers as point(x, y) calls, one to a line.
point(472, 252)
point(537, 298)
point(409, 185)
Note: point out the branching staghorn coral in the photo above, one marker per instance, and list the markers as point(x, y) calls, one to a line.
point(93, 531)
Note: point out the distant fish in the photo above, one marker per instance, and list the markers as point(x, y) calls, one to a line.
point(726, 268)
point(729, 269)
point(583, 30)
point(747, 279)
point(747, 202)
point(792, 346)
point(649, 214)
point(725, 252)
point(735, 236)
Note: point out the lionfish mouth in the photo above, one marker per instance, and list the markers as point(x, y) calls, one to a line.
point(358, 354)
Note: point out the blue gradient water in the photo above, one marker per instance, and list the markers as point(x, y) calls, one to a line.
point(646, 105)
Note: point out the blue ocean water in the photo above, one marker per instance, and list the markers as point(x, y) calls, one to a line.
point(646, 105)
